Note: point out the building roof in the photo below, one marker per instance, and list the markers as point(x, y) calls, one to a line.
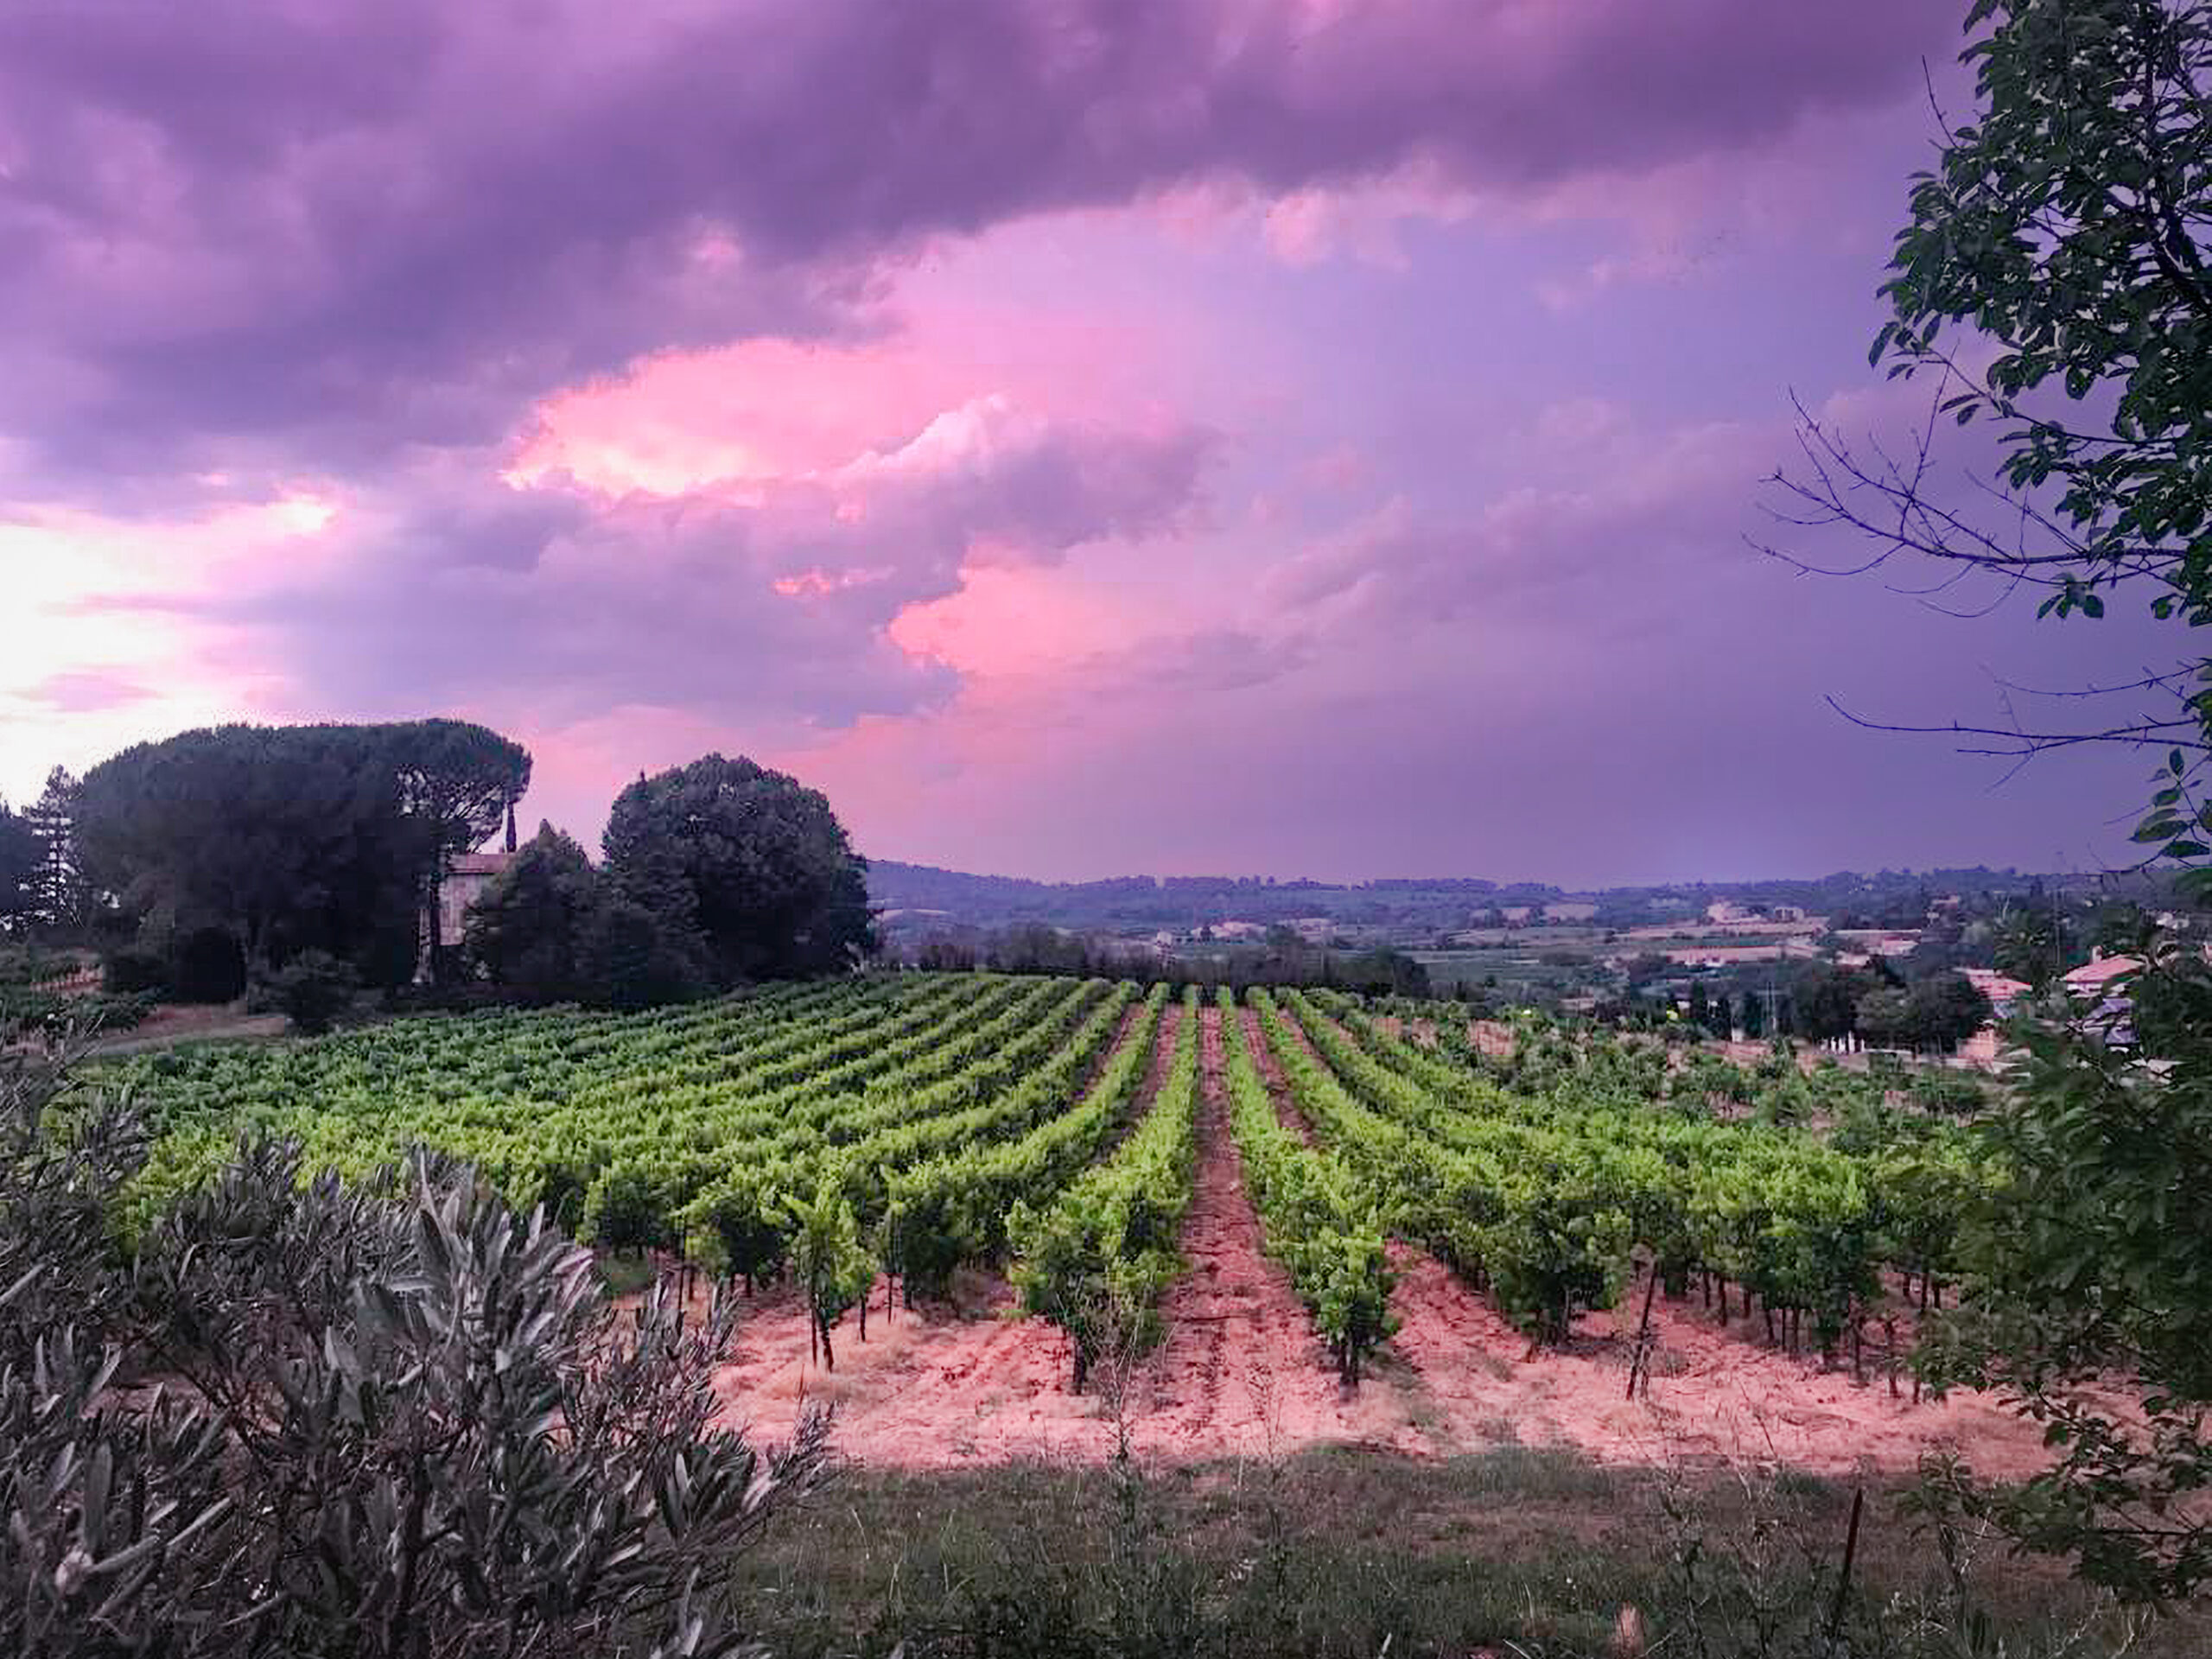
point(1998, 987)
point(2093, 975)
point(477, 863)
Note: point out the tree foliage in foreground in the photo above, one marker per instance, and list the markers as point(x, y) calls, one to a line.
point(2064, 232)
point(409, 1421)
point(2089, 1295)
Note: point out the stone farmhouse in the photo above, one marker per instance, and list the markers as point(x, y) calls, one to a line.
point(467, 876)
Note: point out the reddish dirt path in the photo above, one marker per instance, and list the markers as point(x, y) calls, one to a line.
point(1492, 1036)
point(1271, 1073)
point(1714, 1392)
point(1163, 1056)
point(1242, 1371)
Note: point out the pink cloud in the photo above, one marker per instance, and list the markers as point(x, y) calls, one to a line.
point(774, 607)
point(750, 412)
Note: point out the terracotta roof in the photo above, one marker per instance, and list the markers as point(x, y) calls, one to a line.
point(2092, 974)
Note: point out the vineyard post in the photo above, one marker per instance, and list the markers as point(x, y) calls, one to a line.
point(1850, 1554)
point(1638, 1359)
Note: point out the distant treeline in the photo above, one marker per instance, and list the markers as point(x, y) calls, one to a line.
point(921, 898)
point(1034, 947)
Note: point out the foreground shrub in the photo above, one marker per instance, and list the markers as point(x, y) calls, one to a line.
point(2087, 1294)
point(312, 990)
point(135, 968)
point(397, 1419)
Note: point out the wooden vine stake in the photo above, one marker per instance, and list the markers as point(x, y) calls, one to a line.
point(1639, 1361)
point(1850, 1554)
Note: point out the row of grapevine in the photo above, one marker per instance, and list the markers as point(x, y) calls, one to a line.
point(967, 1058)
point(550, 1054)
point(733, 1219)
point(581, 1157)
point(547, 1116)
point(1921, 1171)
point(720, 1200)
point(944, 1211)
point(838, 1228)
point(1316, 1218)
point(1547, 1196)
point(1096, 1261)
point(1542, 1218)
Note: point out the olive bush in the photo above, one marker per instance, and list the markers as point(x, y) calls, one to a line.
point(387, 1418)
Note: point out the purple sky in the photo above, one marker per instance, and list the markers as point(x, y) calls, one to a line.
point(1080, 436)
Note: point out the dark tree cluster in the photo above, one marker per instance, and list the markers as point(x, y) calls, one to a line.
point(551, 928)
point(305, 861)
point(21, 856)
point(748, 867)
point(716, 874)
point(229, 851)
point(40, 892)
point(1878, 1006)
point(1283, 959)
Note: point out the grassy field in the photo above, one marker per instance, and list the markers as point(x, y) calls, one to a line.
point(1343, 1552)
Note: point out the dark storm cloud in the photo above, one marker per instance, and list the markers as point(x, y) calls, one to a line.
point(300, 249)
point(244, 236)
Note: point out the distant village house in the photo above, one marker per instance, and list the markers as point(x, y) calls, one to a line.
point(2002, 990)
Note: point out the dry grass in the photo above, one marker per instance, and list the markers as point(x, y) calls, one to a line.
point(1347, 1552)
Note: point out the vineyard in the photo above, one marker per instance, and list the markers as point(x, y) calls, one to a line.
point(1351, 1207)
